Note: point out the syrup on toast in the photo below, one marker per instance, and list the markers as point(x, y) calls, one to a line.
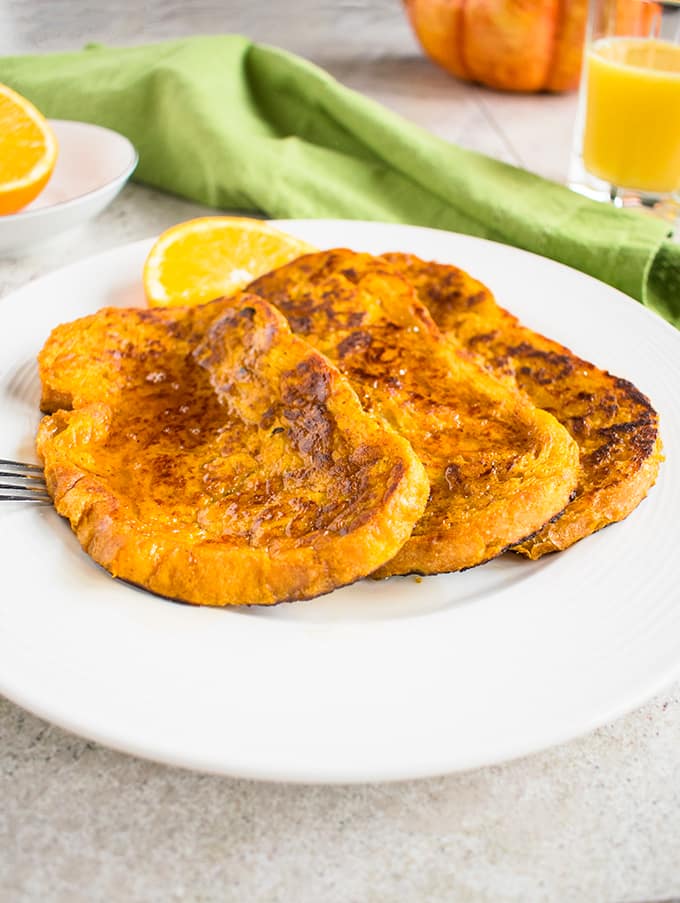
point(499, 468)
point(209, 455)
point(614, 424)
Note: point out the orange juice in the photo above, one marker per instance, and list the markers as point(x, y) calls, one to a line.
point(632, 125)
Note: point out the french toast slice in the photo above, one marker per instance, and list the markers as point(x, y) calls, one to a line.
point(614, 424)
point(499, 469)
point(209, 455)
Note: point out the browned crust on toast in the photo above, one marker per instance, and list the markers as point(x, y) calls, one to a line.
point(209, 455)
point(614, 424)
point(499, 468)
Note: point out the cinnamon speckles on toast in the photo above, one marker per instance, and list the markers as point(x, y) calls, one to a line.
point(209, 455)
point(614, 424)
point(499, 468)
point(349, 415)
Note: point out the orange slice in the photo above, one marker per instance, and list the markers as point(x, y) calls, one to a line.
point(28, 151)
point(205, 258)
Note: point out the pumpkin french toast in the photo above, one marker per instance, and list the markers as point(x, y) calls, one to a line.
point(614, 424)
point(499, 468)
point(211, 456)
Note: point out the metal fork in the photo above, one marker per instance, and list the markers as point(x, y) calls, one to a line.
point(21, 482)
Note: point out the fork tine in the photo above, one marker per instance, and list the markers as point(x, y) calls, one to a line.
point(21, 482)
point(43, 499)
point(20, 494)
point(20, 465)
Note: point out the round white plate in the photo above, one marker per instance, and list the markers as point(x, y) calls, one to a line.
point(93, 165)
point(381, 680)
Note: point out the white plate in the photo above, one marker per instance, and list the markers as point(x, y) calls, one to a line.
point(376, 681)
point(93, 165)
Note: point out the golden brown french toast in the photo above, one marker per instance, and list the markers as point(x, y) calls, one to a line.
point(209, 455)
point(614, 424)
point(499, 468)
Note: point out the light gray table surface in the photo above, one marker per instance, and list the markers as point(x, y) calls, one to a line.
point(597, 819)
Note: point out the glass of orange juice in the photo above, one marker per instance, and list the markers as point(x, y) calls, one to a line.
point(627, 142)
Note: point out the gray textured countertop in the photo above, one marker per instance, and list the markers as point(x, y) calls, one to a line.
point(597, 819)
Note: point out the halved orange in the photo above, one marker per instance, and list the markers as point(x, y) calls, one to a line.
point(204, 258)
point(28, 151)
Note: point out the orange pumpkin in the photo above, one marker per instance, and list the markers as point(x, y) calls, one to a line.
point(513, 45)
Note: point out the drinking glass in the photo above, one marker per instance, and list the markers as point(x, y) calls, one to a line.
point(627, 138)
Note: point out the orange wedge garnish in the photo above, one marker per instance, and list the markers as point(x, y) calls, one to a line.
point(28, 151)
point(202, 259)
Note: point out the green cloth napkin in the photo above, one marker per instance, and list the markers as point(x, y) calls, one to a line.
point(241, 126)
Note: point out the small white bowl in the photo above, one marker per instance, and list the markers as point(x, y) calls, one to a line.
point(93, 165)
